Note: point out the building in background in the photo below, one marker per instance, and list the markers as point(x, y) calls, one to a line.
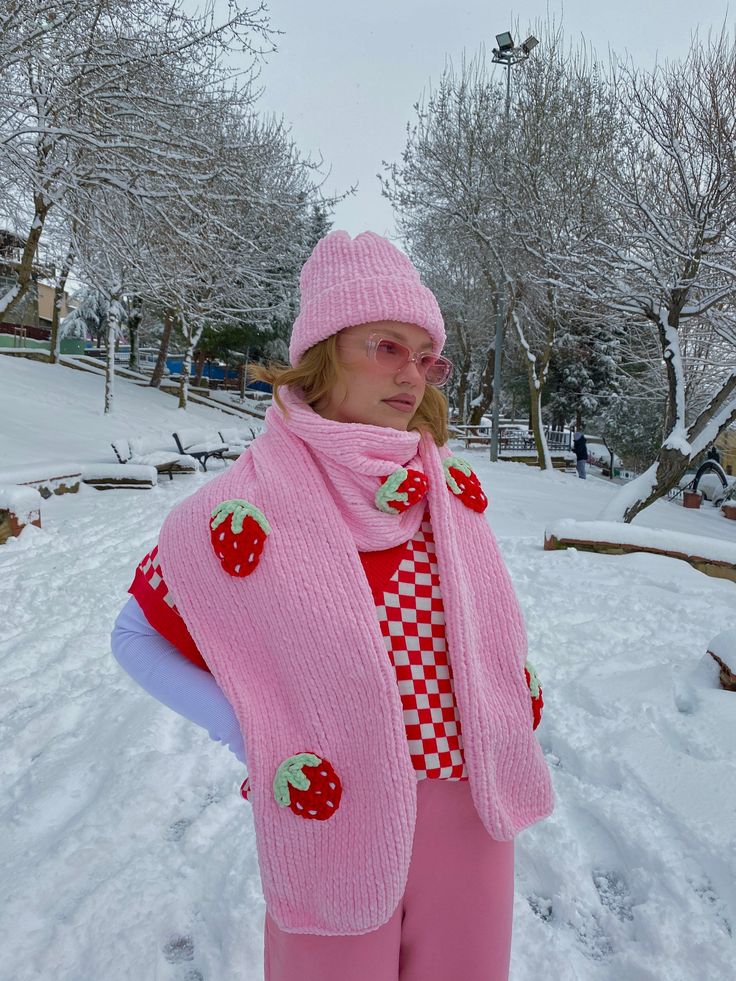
point(28, 325)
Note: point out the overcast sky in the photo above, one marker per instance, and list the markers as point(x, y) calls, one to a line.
point(346, 74)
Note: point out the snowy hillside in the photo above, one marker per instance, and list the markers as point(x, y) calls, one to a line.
point(51, 412)
point(128, 854)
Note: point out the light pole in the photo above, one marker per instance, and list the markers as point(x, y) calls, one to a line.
point(506, 54)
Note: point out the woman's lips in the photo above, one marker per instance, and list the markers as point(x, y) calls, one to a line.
point(400, 405)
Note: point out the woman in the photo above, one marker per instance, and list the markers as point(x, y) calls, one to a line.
point(366, 648)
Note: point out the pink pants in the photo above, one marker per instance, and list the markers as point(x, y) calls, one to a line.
point(453, 921)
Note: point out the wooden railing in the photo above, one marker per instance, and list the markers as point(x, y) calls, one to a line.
point(511, 442)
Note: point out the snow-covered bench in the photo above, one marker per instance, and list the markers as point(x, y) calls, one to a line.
point(153, 451)
point(205, 444)
point(238, 438)
point(47, 478)
point(119, 476)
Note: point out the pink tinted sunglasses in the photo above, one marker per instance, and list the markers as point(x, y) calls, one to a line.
point(392, 355)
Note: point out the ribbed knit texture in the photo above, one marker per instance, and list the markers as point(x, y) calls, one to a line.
point(347, 281)
point(297, 649)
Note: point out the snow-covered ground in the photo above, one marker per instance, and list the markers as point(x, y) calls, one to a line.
point(53, 413)
point(127, 853)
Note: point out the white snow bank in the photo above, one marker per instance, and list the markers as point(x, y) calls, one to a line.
point(54, 413)
point(724, 645)
point(694, 546)
point(39, 472)
point(24, 502)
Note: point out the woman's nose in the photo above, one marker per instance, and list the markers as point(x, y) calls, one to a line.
point(411, 370)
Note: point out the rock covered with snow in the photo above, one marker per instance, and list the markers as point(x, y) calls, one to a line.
point(23, 502)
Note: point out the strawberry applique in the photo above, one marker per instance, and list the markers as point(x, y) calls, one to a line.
point(238, 532)
point(309, 786)
point(535, 690)
point(400, 490)
point(464, 484)
point(245, 789)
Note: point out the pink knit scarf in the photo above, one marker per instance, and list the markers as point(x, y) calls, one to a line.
point(296, 647)
point(353, 459)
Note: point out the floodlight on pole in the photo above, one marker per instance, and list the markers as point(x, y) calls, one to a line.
point(505, 42)
point(507, 54)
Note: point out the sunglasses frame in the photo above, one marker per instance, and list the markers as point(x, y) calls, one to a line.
point(374, 340)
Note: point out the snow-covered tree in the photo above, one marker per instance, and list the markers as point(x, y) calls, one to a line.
point(584, 372)
point(79, 103)
point(510, 188)
point(667, 255)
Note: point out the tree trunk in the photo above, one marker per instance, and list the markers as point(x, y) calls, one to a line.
point(55, 343)
point(199, 360)
point(243, 374)
point(134, 323)
point(113, 321)
point(481, 404)
point(24, 275)
point(677, 451)
point(158, 371)
point(192, 335)
point(537, 369)
point(535, 420)
point(462, 369)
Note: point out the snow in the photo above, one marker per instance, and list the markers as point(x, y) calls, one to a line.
point(128, 853)
point(724, 645)
point(23, 502)
point(40, 472)
point(56, 414)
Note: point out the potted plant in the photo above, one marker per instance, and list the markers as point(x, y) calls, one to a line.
point(729, 509)
point(691, 498)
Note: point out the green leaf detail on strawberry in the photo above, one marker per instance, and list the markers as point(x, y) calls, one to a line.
point(535, 690)
point(400, 490)
point(238, 532)
point(464, 484)
point(308, 786)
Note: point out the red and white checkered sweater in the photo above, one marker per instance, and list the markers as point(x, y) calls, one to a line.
point(406, 589)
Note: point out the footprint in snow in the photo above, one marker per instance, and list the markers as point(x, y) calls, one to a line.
point(175, 831)
point(179, 948)
point(704, 889)
point(613, 893)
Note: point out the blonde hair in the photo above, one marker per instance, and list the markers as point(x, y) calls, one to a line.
point(319, 370)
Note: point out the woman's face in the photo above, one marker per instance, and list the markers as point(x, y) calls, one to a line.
point(367, 394)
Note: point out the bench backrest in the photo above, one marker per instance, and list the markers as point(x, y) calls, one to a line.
point(235, 435)
point(188, 437)
point(122, 450)
point(150, 443)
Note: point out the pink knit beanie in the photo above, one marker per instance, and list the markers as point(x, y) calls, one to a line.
point(346, 282)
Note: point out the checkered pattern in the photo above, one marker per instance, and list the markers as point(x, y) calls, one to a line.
point(413, 626)
point(150, 569)
point(412, 623)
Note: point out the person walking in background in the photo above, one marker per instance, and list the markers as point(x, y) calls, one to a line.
point(581, 452)
point(293, 606)
point(713, 454)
